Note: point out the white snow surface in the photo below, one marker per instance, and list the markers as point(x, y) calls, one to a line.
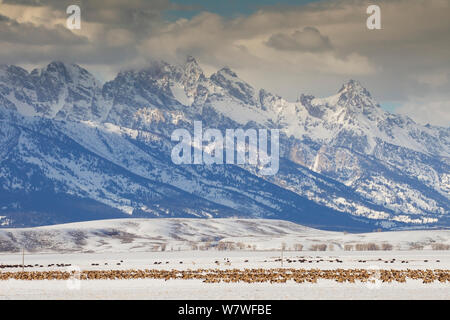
point(195, 289)
point(140, 235)
point(125, 244)
point(152, 289)
point(180, 94)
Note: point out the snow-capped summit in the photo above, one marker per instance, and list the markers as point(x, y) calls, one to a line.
point(56, 70)
point(192, 75)
point(353, 86)
point(234, 86)
point(226, 71)
point(353, 94)
point(191, 67)
point(57, 90)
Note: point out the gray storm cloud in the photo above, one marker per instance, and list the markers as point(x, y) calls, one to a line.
point(12, 31)
point(308, 39)
point(304, 48)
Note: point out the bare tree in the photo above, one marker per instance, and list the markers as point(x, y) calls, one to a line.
point(440, 246)
point(318, 247)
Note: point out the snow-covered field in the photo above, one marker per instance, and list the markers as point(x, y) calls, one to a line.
point(196, 289)
point(136, 244)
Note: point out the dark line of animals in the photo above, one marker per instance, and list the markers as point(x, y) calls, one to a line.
point(12, 266)
point(280, 275)
point(227, 260)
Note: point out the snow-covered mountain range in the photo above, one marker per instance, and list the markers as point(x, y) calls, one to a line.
point(73, 149)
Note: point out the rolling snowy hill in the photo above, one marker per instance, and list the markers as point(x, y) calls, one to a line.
point(139, 235)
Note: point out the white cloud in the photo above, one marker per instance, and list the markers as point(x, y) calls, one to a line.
point(425, 111)
point(312, 48)
point(434, 79)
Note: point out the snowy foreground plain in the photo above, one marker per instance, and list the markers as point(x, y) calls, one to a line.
point(138, 244)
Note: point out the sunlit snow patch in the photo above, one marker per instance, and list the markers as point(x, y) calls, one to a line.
point(179, 94)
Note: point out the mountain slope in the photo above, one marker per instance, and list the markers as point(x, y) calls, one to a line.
point(345, 163)
point(47, 159)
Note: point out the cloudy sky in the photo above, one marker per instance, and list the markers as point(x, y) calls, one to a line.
point(286, 46)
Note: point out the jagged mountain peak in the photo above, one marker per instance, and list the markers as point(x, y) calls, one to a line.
point(59, 67)
point(192, 64)
point(351, 85)
point(13, 73)
point(354, 88)
point(6, 67)
point(55, 73)
point(226, 71)
point(228, 80)
point(305, 99)
point(55, 65)
point(353, 95)
point(190, 60)
point(64, 72)
point(191, 74)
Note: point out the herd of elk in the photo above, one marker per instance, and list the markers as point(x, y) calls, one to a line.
point(280, 275)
